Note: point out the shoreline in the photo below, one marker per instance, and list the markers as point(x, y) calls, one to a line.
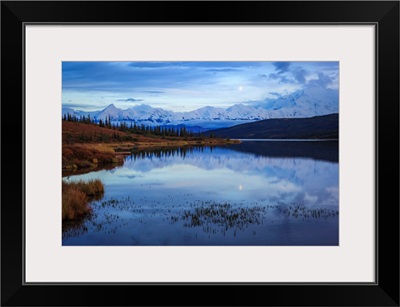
point(175, 143)
point(101, 156)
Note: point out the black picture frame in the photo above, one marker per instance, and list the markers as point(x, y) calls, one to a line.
point(383, 14)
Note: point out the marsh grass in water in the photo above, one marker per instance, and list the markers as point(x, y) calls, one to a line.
point(223, 216)
point(76, 227)
point(220, 217)
point(110, 221)
point(209, 217)
point(77, 195)
point(301, 211)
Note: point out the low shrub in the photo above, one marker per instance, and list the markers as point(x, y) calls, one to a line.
point(91, 188)
point(83, 164)
point(67, 153)
point(76, 197)
point(84, 157)
point(74, 203)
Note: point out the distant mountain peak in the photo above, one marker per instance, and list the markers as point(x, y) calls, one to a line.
point(110, 106)
point(310, 102)
point(142, 106)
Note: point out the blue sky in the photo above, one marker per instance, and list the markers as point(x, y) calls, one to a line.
point(186, 86)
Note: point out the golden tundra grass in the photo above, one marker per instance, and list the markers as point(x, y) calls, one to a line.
point(76, 197)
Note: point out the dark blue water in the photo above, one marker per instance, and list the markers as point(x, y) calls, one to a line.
point(254, 193)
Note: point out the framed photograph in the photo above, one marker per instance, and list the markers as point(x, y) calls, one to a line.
point(247, 150)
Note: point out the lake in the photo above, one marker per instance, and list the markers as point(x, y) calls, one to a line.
point(255, 193)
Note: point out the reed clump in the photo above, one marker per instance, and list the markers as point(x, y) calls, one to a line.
point(77, 195)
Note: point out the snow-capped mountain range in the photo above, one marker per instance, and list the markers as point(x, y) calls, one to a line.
point(298, 104)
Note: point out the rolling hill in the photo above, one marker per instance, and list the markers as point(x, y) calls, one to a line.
point(317, 127)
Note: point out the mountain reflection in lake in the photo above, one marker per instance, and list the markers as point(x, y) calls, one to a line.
point(253, 193)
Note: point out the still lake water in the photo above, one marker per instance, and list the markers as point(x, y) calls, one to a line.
point(253, 193)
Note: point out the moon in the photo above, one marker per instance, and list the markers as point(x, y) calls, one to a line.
point(240, 88)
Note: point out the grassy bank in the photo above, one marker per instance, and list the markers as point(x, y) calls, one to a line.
point(87, 147)
point(77, 195)
point(80, 156)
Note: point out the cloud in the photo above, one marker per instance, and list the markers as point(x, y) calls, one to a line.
point(323, 81)
point(153, 64)
point(282, 79)
point(286, 72)
point(223, 69)
point(275, 94)
point(152, 92)
point(79, 105)
point(189, 85)
point(205, 66)
point(281, 67)
point(299, 74)
point(273, 76)
point(130, 100)
point(222, 65)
